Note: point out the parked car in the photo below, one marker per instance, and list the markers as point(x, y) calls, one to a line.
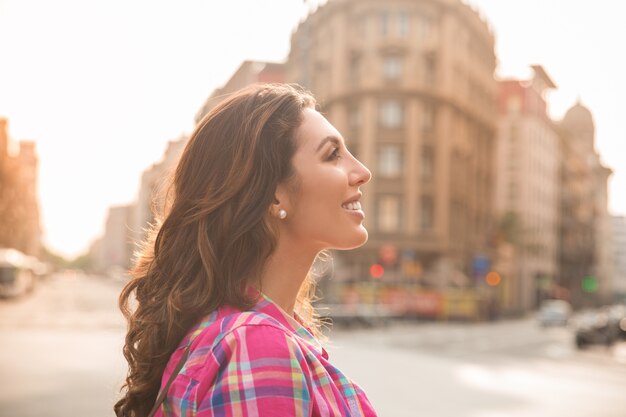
point(554, 313)
point(603, 326)
point(617, 318)
point(17, 273)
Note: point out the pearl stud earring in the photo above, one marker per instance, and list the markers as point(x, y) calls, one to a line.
point(282, 213)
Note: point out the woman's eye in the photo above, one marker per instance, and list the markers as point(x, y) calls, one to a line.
point(334, 155)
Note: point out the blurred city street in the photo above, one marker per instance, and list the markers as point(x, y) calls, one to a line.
point(66, 338)
point(475, 170)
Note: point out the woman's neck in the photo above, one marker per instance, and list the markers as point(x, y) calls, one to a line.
point(284, 274)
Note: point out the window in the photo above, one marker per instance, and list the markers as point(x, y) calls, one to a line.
point(354, 71)
point(430, 70)
point(426, 220)
point(428, 118)
point(390, 161)
point(427, 166)
point(512, 194)
point(403, 24)
point(384, 23)
point(514, 104)
point(424, 28)
point(392, 67)
point(389, 213)
point(321, 79)
point(391, 114)
point(354, 117)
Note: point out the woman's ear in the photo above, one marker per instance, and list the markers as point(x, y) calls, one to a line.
point(281, 205)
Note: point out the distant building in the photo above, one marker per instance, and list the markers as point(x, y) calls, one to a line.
point(19, 205)
point(410, 86)
point(113, 249)
point(249, 72)
point(96, 256)
point(4, 143)
point(127, 226)
point(526, 189)
point(154, 183)
point(29, 235)
point(585, 266)
point(619, 257)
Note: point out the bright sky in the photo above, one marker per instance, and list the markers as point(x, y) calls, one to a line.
point(103, 85)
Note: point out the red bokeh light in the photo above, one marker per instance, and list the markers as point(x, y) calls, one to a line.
point(377, 271)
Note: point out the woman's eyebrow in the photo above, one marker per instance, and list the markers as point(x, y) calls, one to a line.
point(333, 139)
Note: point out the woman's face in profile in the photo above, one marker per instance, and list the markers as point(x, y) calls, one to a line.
point(324, 211)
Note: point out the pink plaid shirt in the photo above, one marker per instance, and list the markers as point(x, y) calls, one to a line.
point(261, 363)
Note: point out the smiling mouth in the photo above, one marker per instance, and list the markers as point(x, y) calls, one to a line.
point(352, 206)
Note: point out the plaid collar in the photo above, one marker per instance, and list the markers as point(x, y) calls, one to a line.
point(294, 323)
point(266, 306)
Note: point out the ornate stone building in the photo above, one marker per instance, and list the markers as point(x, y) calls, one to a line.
point(526, 192)
point(585, 266)
point(410, 84)
point(619, 257)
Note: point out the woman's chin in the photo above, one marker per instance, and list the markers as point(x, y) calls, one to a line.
point(356, 241)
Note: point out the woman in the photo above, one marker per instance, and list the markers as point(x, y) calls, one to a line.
point(223, 323)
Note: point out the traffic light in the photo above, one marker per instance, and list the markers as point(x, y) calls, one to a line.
point(589, 284)
point(377, 271)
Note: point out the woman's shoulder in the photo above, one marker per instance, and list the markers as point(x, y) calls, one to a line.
point(225, 330)
point(221, 321)
point(226, 321)
point(215, 337)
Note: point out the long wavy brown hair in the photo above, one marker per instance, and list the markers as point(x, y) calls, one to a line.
point(216, 232)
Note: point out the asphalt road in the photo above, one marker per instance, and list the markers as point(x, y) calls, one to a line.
point(60, 355)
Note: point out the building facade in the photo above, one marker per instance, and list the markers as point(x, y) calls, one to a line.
point(249, 72)
point(19, 204)
point(113, 249)
point(619, 257)
point(151, 195)
point(526, 190)
point(410, 84)
point(127, 227)
point(585, 265)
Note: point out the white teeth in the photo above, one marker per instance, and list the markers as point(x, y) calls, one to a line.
point(352, 206)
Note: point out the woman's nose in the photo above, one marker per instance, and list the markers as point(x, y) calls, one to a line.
point(360, 175)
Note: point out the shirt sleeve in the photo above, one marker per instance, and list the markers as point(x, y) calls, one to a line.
point(260, 371)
